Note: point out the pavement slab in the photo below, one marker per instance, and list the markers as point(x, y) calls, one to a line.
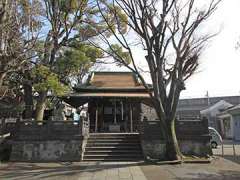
point(218, 169)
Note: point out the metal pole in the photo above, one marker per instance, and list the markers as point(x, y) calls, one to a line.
point(222, 150)
point(234, 151)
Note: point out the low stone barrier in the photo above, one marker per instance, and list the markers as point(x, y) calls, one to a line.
point(192, 135)
point(47, 141)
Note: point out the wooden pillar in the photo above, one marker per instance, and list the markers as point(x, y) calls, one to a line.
point(96, 119)
point(102, 117)
point(122, 109)
point(131, 118)
point(115, 112)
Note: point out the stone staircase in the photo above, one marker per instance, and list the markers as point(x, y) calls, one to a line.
point(113, 147)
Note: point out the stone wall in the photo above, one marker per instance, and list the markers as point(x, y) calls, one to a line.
point(195, 148)
point(193, 136)
point(45, 151)
point(48, 141)
point(148, 112)
point(152, 142)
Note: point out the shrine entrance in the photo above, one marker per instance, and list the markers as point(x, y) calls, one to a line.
point(114, 115)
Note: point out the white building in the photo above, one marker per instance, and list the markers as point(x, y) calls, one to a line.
point(212, 112)
point(230, 122)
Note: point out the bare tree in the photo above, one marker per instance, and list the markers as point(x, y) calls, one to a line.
point(169, 33)
point(18, 34)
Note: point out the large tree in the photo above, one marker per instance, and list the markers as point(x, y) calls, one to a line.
point(19, 29)
point(169, 32)
point(67, 23)
point(64, 22)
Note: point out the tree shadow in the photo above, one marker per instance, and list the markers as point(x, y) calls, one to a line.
point(46, 171)
point(221, 175)
point(235, 159)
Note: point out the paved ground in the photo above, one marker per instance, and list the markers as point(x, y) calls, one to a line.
point(219, 169)
point(73, 171)
point(228, 151)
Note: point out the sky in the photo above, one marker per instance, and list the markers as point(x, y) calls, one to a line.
point(219, 71)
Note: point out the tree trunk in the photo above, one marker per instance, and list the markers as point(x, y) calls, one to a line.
point(28, 99)
point(172, 148)
point(2, 76)
point(40, 107)
point(167, 127)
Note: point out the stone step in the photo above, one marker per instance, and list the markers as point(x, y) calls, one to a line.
point(112, 148)
point(113, 140)
point(113, 152)
point(116, 144)
point(113, 159)
point(112, 156)
point(114, 136)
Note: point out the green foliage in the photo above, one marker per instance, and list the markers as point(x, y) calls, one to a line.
point(72, 5)
point(46, 80)
point(117, 52)
point(117, 18)
point(77, 60)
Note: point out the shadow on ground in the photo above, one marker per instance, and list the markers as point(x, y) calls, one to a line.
point(221, 175)
point(235, 159)
point(219, 169)
point(46, 171)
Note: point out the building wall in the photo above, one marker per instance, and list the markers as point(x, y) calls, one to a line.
point(236, 127)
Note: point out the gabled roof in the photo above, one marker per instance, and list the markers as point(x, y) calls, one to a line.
point(111, 81)
point(216, 108)
point(107, 85)
point(114, 80)
point(231, 110)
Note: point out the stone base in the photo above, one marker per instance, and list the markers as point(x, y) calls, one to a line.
point(114, 128)
point(195, 148)
point(154, 149)
point(46, 151)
